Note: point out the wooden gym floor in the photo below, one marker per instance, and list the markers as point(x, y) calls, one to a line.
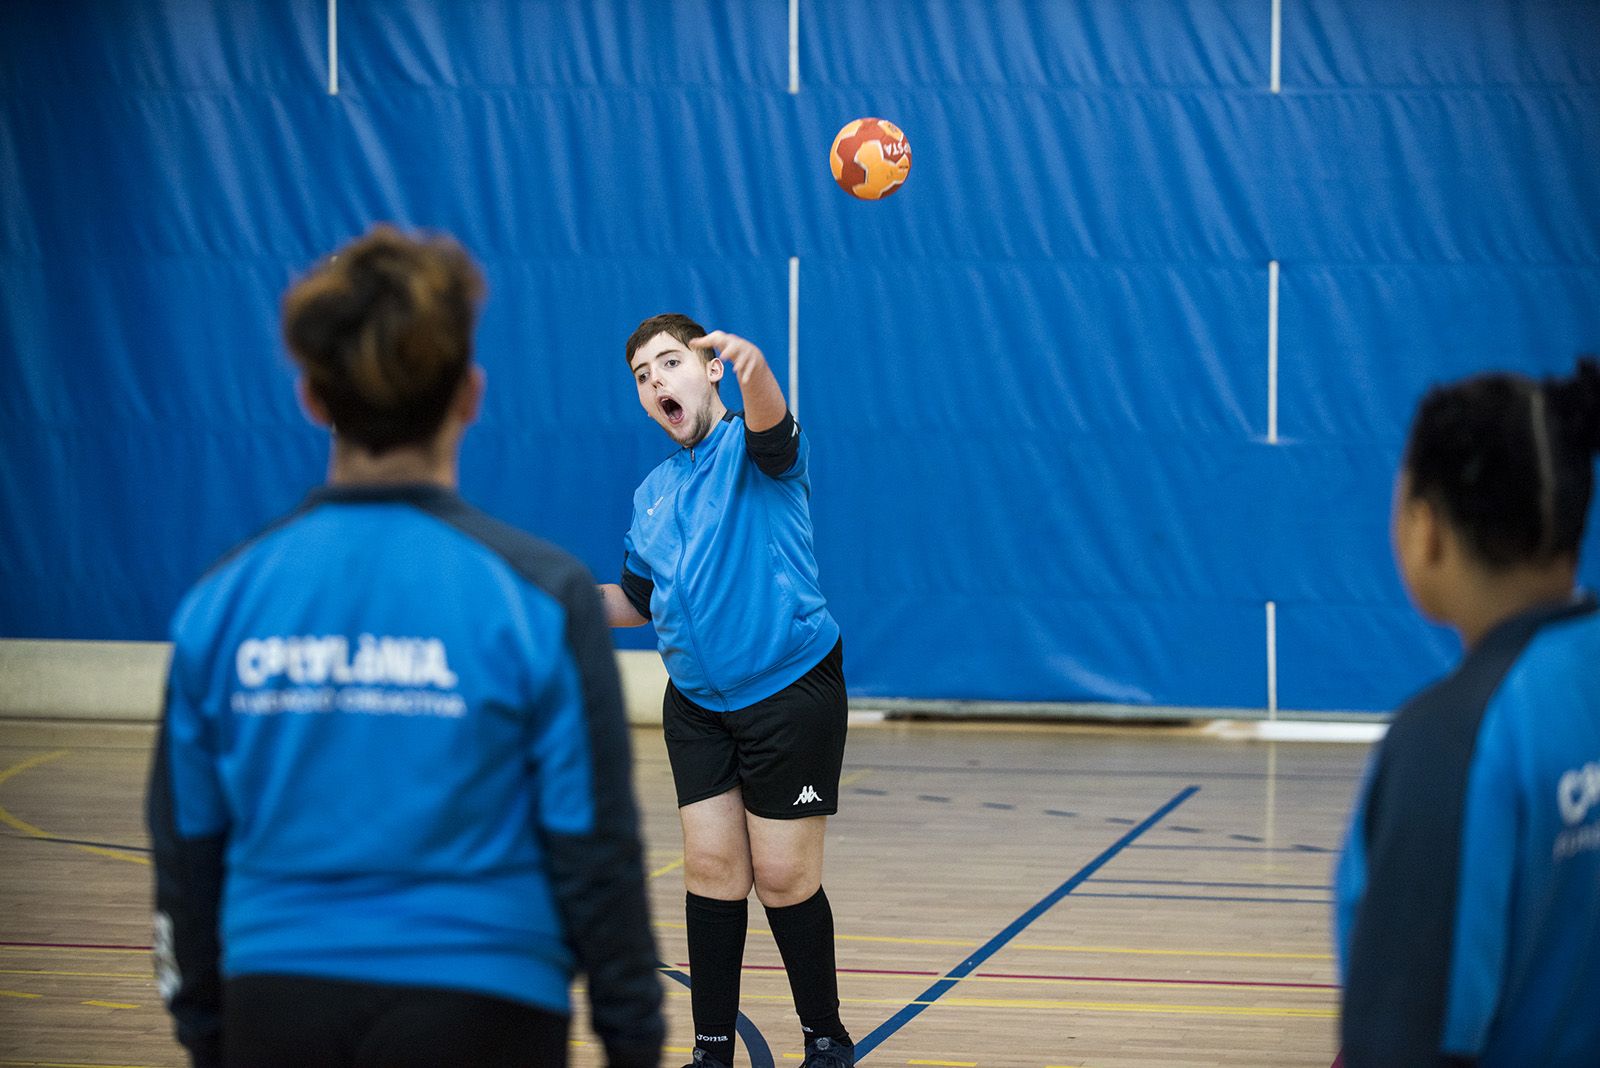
point(1005, 895)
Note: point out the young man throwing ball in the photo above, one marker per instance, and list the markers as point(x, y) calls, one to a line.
point(719, 556)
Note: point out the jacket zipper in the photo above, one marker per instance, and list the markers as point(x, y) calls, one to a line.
point(688, 616)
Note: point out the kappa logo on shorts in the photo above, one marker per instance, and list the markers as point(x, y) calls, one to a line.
point(807, 796)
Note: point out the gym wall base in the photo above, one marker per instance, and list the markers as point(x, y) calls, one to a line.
point(84, 680)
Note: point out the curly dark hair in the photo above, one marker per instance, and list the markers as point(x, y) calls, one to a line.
point(1509, 460)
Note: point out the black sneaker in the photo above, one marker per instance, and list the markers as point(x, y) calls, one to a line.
point(827, 1053)
point(702, 1061)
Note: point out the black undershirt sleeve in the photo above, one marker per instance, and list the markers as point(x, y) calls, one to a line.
point(188, 892)
point(637, 590)
point(598, 878)
point(775, 449)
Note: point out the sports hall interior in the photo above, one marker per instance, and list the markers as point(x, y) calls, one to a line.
point(1105, 407)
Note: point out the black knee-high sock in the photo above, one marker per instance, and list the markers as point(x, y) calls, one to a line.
point(804, 934)
point(716, 954)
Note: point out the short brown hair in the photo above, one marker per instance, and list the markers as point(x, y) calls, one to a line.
point(383, 331)
point(681, 327)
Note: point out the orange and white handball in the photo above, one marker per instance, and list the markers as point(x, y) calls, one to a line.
point(870, 158)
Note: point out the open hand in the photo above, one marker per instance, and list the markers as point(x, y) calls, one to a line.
point(741, 355)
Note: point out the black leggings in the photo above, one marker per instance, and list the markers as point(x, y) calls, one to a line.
point(278, 1021)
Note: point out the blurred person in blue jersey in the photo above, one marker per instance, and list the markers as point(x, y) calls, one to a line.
point(719, 557)
point(390, 802)
point(1468, 895)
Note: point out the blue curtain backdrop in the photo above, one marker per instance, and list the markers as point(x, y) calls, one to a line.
point(1036, 378)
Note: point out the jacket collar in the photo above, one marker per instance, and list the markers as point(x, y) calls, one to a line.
point(714, 436)
point(381, 493)
point(1580, 602)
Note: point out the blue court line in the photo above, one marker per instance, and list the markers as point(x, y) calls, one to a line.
point(1204, 897)
point(1310, 850)
point(755, 1045)
point(1057, 772)
point(1224, 886)
point(886, 1030)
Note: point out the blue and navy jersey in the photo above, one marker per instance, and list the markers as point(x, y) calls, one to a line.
point(719, 556)
point(1468, 915)
point(394, 751)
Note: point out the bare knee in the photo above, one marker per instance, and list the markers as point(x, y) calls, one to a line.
point(722, 873)
point(786, 880)
point(716, 847)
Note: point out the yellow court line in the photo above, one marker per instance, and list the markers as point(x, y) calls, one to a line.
point(1152, 1008)
point(852, 938)
point(949, 1064)
point(1071, 980)
point(1174, 952)
point(957, 942)
point(109, 1004)
point(18, 994)
point(1149, 1008)
point(32, 762)
point(674, 866)
point(967, 944)
point(64, 1064)
point(854, 777)
point(1067, 980)
point(34, 832)
point(78, 975)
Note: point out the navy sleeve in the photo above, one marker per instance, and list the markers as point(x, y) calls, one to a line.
point(1492, 835)
point(637, 590)
point(1402, 940)
point(775, 449)
point(188, 834)
point(1398, 957)
point(598, 873)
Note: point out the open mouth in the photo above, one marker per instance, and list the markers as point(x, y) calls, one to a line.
point(672, 410)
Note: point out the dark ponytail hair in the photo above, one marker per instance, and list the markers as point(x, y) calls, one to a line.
point(383, 331)
point(1510, 461)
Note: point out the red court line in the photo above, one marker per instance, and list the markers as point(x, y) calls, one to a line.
point(1165, 982)
point(1071, 978)
point(850, 971)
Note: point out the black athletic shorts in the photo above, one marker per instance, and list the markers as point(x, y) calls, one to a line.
point(273, 1021)
point(784, 752)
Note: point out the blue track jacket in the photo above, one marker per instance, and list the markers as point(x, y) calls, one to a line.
point(1468, 919)
point(720, 558)
point(394, 751)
